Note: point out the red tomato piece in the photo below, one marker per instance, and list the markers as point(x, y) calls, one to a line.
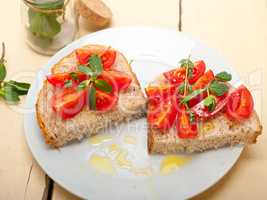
point(59, 79)
point(204, 80)
point(83, 56)
point(159, 94)
point(68, 102)
point(240, 104)
point(198, 70)
point(108, 58)
point(164, 117)
point(105, 101)
point(177, 76)
point(185, 129)
point(118, 80)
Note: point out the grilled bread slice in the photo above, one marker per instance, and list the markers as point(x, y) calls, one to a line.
point(212, 134)
point(57, 132)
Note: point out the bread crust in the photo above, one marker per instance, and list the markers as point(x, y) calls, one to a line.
point(51, 138)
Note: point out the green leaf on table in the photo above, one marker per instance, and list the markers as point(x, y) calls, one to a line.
point(92, 97)
point(210, 102)
point(9, 94)
point(223, 76)
point(103, 85)
point(21, 88)
point(192, 95)
point(217, 88)
point(2, 71)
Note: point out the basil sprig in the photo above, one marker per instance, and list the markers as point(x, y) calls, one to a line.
point(93, 69)
point(10, 90)
point(223, 76)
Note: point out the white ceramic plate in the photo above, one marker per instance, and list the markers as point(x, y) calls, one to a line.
point(119, 166)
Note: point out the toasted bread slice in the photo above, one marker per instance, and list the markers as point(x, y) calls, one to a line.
point(57, 132)
point(212, 134)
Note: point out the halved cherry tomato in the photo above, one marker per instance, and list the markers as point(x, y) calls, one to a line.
point(158, 94)
point(177, 76)
point(83, 55)
point(108, 58)
point(119, 80)
point(105, 101)
point(198, 70)
point(240, 104)
point(59, 79)
point(204, 80)
point(185, 128)
point(163, 118)
point(68, 102)
point(203, 113)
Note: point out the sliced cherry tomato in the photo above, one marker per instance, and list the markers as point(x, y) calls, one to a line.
point(240, 104)
point(203, 113)
point(185, 128)
point(198, 70)
point(164, 117)
point(158, 94)
point(68, 102)
point(119, 80)
point(83, 55)
point(59, 79)
point(105, 101)
point(177, 76)
point(108, 58)
point(204, 80)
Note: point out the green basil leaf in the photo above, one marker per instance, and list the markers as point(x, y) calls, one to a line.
point(92, 97)
point(192, 117)
point(2, 71)
point(83, 85)
point(43, 25)
point(186, 63)
point(74, 76)
point(223, 76)
point(9, 94)
point(21, 87)
point(103, 85)
point(192, 95)
point(96, 64)
point(68, 84)
point(210, 102)
point(218, 89)
point(86, 70)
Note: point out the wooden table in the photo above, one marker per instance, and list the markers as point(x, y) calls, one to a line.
point(237, 29)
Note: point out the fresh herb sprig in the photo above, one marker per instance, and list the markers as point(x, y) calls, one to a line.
point(188, 65)
point(10, 90)
point(93, 69)
point(216, 88)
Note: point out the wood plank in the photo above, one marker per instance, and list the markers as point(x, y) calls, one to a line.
point(16, 181)
point(237, 29)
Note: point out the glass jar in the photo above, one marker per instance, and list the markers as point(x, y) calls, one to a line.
point(49, 24)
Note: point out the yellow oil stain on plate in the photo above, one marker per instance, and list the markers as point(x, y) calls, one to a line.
point(145, 171)
point(172, 162)
point(102, 164)
point(129, 139)
point(99, 139)
point(122, 161)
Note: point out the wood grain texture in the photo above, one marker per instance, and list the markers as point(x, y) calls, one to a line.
point(238, 31)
